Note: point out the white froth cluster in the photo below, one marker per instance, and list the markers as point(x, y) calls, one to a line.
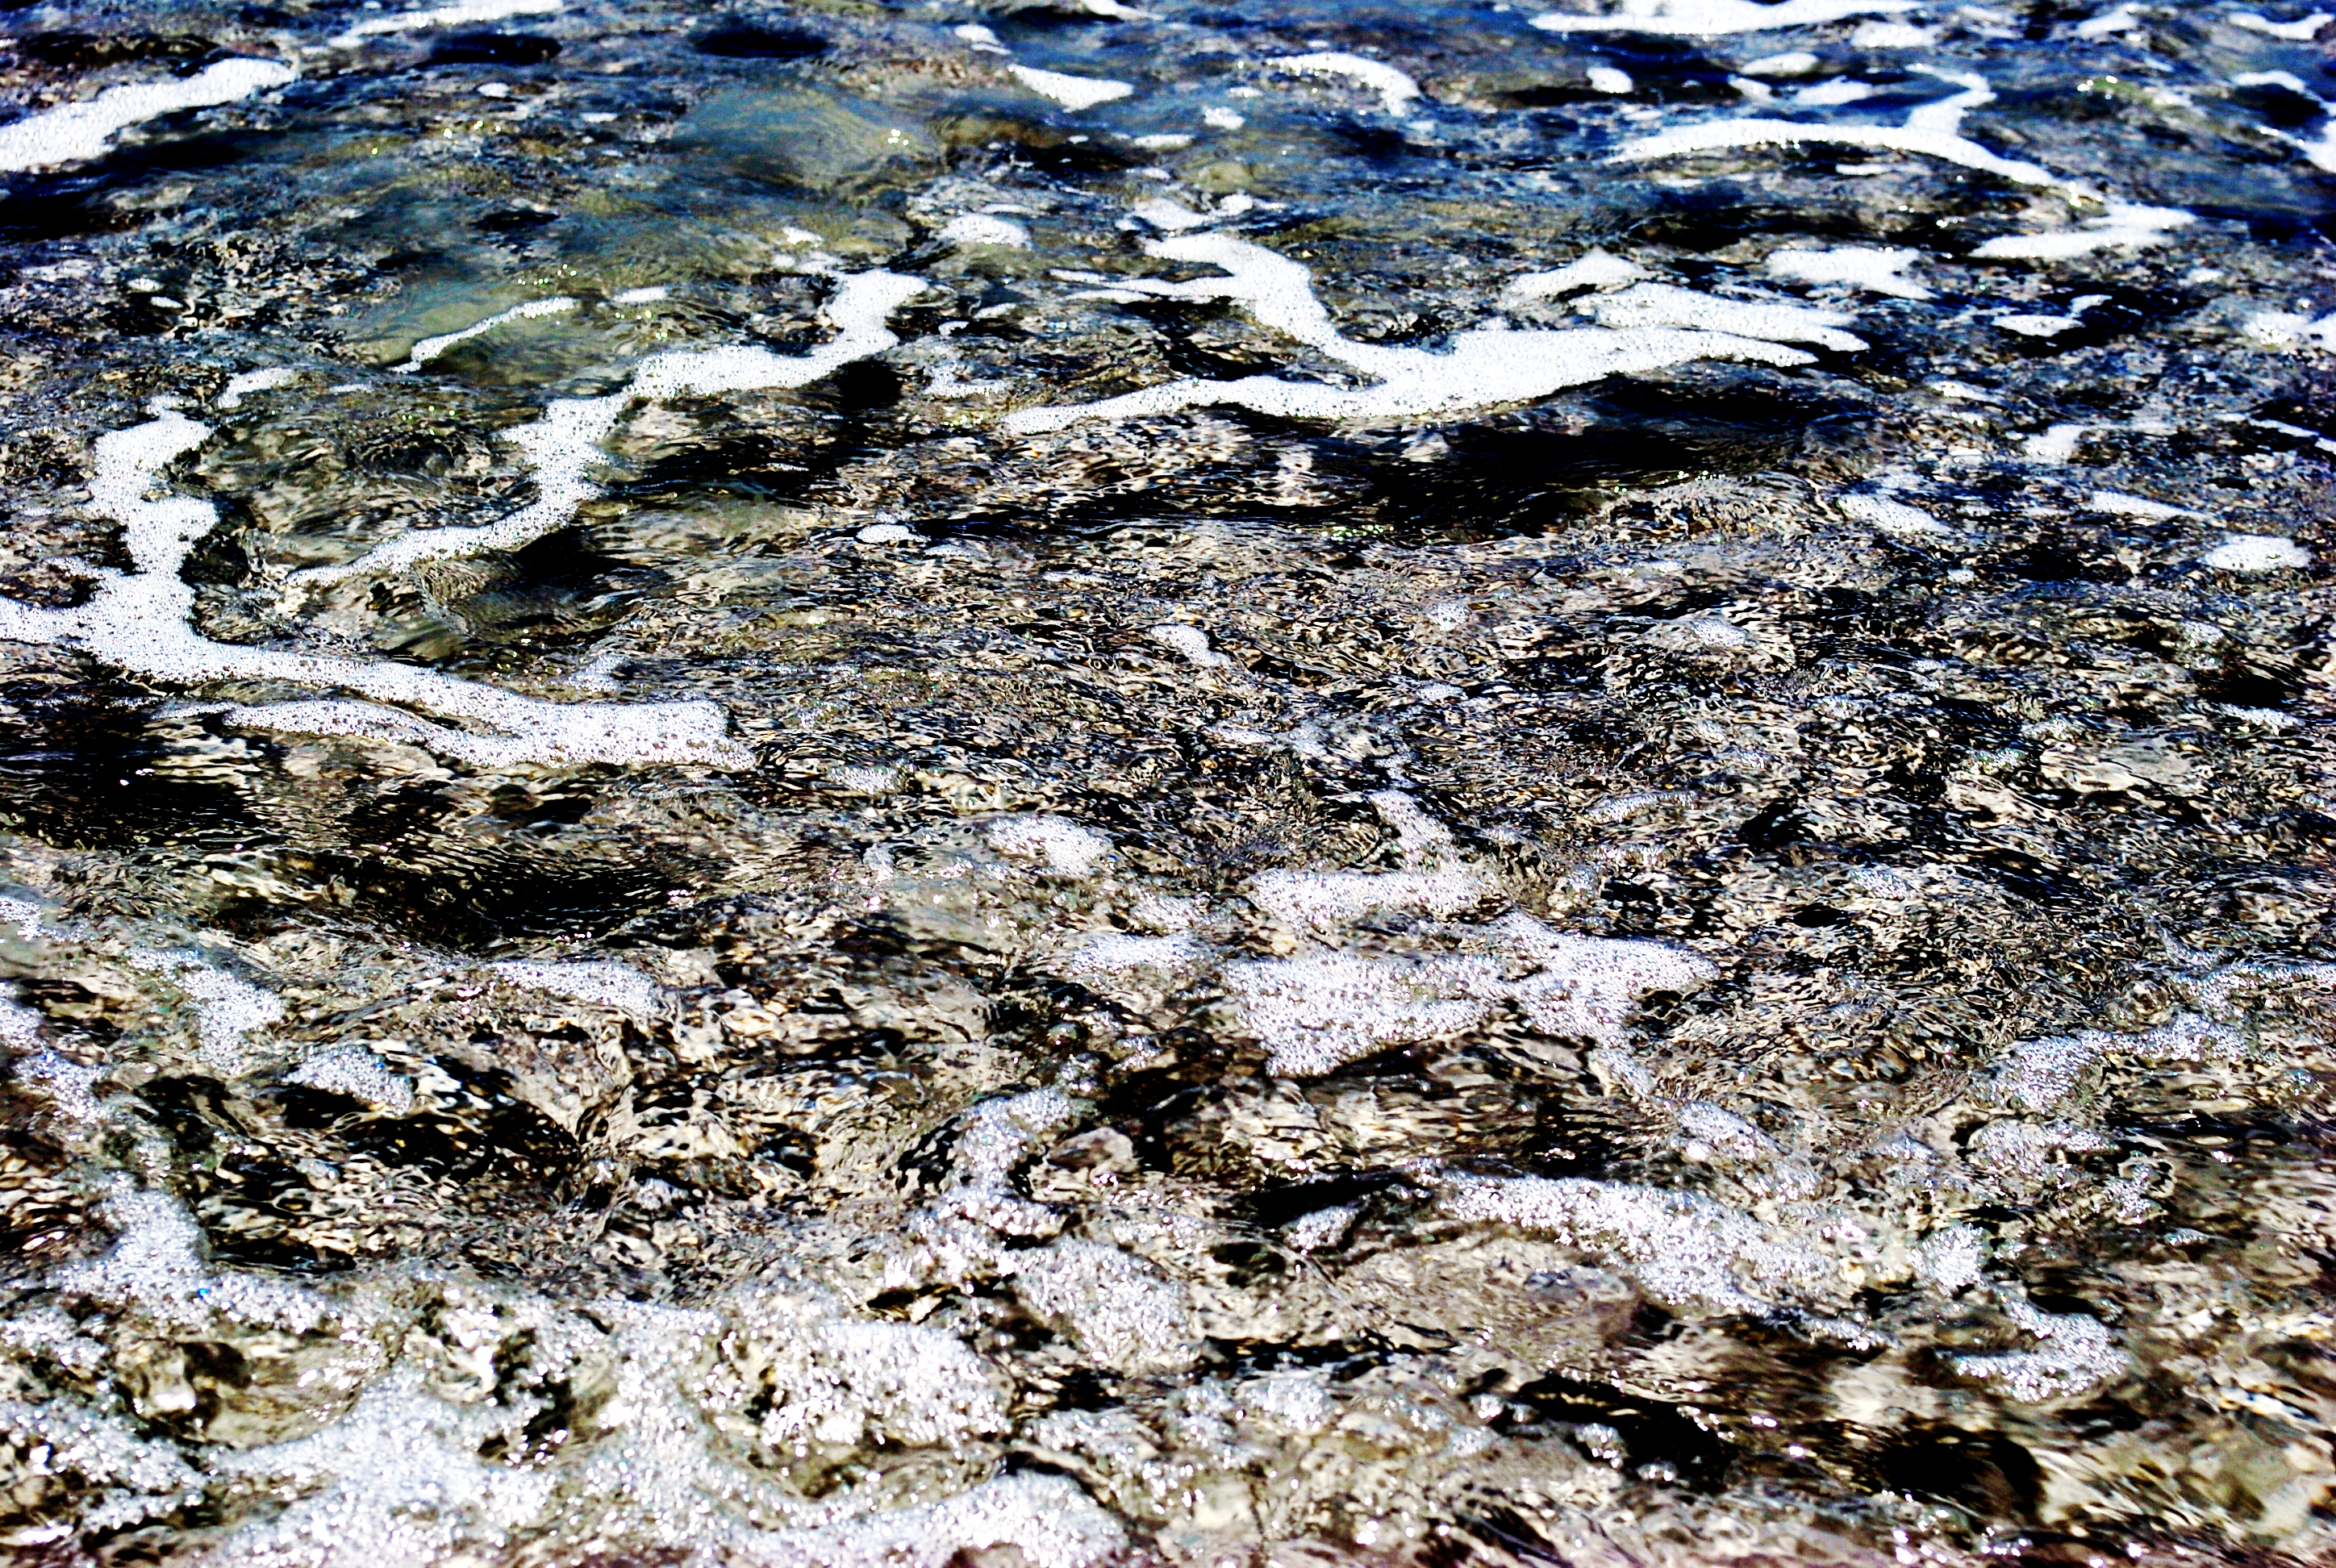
point(1061, 845)
point(1712, 18)
point(1876, 269)
point(1886, 514)
point(2039, 1074)
point(1117, 1311)
point(1666, 304)
point(1072, 92)
point(430, 348)
point(839, 1378)
point(77, 132)
point(1689, 1254)
point(141, 623)
point(227, 1008)
point(974, 229)
point(353, 1071)
point(462, 14)
point(156, 1266)
point(1484, 367)
point(138, 1478)
point(1394, 88)
point(2073, 1355)
point(1593, 268)
point(564, 446)
point(1935, 131)
point(597, 981)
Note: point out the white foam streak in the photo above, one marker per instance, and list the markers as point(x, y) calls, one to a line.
point(140, 623)
point(1933, 130)
point(226, 1008)
point(77, 132)
point(1483, 368)
point(430, 348)
point(1664, 305)
point(2301, 30)
point(1874, 268)
point(564, 445)
point(1710, 18)
point(1394, 88)
point(1072, 92)
point(1592, 270)
point(457, 15)
point(604, 984)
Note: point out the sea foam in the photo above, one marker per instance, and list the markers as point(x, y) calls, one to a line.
point(77, 132)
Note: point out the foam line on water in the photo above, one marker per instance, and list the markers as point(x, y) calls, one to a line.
point(1072, 92)
point(1396, 88)
point(1712, 18)
point(77, 132)
point(1935, 131)
point(1484, 367)
point(463, 14)
point(1875, 269)
point(430, 348)
point(140, 622)
point(564, 446)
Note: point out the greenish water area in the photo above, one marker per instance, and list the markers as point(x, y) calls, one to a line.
point(1203, 783)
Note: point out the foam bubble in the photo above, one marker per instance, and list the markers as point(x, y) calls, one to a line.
point(246, 382)
point(430, 348)
point(1690, 1253)
point(1117, 1311)
point(1607, 79)
point(1114, 952)
point(139, 623)
point(1893, 35)
point(140, 1476)
point(353, 1071)
point(462, 14)
point(1710, 18)
point(1394, 88)
point(2116, 503)
point(2257, 552)
point(1047, 1519)
point(1485, 367)
point(156, 1266)
point(1894, 518)
point(564, 446)
point(1065, 847)
point(1933, 130)
point(1792, 63)
point(71, 1087)
point(1218, 118)
point(2056, 444)
point(226, 1008)
point(1072, 92)
point(1593, 269)
point(2074, 1353)
point(1664, 305)
point(1876, 269)
point(2122, 18)
point(969, 229)
point(1190, 642)
point(2301, 30)
point(77, 132)
point(601, 983)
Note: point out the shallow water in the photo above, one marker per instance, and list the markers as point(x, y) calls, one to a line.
point(1085, 782)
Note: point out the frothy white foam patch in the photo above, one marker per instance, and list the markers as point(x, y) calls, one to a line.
point(1394, 88)
point(430, 348)
point(2074, 1353)
point(1663, 305)
point(1486, 366)
point(463, 14)
point(975, 228)
point(564, 446)
point(1792, 63)
point(2286, 329)
point(2301, 30)
point(2039, 1074)
point(138, 1478)
point(1191, 643)
point(1115, 952)
point(1710, 18)
point(70, 1088)
point(156, 1266)
point(1047, 1518)
point(140, 623)
point(1876, 269)
point(1219, 117)
point(1893, 35)
point(1325, 900)
point(1607, 79)
point(2056, 444)
point(1933, 130)
point(889, 533)
point(1894, 518)
point(919, 1385)
point(1062, 845)
point(1316, 1012)
point(240, 386)
point(2116, 503)
point(1691, 1254)
point(1592, 270)
point(2257, 552)
point(226, 1008)
point(1072, 92)
point(353, 1071)
point(2123, 18)
point(1116, 1310)
point(77, 132)
point(1169, 216)
point(1833, 93)
point(601, 983)
point(2320, 149)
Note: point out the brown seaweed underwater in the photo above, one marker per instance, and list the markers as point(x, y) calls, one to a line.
point(956, 783)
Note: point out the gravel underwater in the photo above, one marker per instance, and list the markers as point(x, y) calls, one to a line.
point(1048, 783)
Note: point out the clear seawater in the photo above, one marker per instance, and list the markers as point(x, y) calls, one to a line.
point(1262, 783)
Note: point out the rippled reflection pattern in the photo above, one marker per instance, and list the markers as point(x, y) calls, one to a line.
point(1046, 784)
